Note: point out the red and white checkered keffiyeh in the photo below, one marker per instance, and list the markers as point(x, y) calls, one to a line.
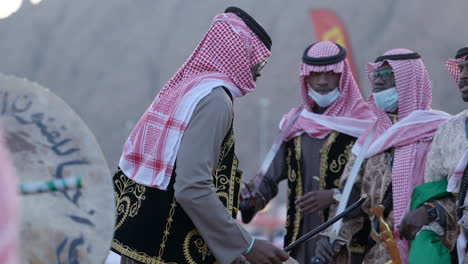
point(349, 114)
point(452, 67)
point(410, 136)
point(9, 241)
point(223, 58)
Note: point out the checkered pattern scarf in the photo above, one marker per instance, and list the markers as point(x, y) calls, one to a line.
point(410, 136)
point(9, 209)
point(452, 67)
point(223, 58)
point(349, 114)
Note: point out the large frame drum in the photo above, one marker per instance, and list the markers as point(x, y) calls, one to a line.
point(47, 141)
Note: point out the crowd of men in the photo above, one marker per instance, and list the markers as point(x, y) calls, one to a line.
point(180, 157)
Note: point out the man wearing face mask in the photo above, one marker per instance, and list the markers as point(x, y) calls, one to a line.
point(319, 135)
point(446, 169)
point(394, 167)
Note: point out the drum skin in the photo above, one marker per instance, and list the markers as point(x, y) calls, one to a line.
point(48, 140)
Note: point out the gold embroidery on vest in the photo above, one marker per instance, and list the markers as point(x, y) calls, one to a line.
point(299, 189)
point(298, 149)
point(324, 163)
point(202, 248)
point(226, 147)
point(138, 256)
point(220, 179)
point(324, 157)
point(336, 182)
point(357, 249)
point(167, 229)
point(291, 178)
point(143, 257)
point(232, 184)
point(221, 182)
point(288, 217)
point(337, 164)
point(225, 188)
point(126, 186)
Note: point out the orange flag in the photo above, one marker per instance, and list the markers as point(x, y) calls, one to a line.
point(328, 26)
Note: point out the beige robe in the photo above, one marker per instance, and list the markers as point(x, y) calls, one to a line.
point(373, 179)
point(448, 146)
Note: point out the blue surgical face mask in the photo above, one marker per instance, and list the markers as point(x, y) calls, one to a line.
point(387, 99)
point(324, 100)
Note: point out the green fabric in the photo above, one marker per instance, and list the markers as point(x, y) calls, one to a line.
point(427, 248)
point(428, 192)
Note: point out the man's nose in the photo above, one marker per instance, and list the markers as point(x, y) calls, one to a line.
point(378, 81)
point(322, 80)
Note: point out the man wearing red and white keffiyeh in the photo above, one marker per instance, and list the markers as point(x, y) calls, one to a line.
point(394, 167)
point(177, 185)
point(448, 157)
point(317, 138)
point(9, 208)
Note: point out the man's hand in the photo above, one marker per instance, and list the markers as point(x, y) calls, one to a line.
point(412, 223)
point(315, 201)
point(325, 250)
point(247, 191)
point(248, 202)
point(263, 252)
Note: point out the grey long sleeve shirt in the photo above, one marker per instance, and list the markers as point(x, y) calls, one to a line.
point(194, 189)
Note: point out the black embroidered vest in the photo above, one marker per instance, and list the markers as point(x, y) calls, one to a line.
point(152, 227)
point(334, 155)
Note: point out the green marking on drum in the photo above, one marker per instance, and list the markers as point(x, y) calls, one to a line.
point(51, 185)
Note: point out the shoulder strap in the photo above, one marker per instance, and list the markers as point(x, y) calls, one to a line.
point(228, 92)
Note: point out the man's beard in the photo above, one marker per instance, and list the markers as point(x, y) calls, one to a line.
point(463, 84)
